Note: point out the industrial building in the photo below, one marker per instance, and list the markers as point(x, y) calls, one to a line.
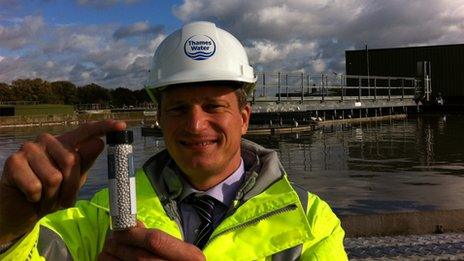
point(447, 66)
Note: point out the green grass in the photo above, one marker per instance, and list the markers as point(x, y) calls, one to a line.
point(44, 109)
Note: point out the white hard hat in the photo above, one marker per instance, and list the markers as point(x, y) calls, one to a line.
point(200, 52)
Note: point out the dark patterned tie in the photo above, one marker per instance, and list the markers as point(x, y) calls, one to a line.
point(204, 205)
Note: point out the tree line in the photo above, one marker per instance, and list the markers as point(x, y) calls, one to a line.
point(65, 92)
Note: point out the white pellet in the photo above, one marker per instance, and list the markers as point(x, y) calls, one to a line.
point(122, 206)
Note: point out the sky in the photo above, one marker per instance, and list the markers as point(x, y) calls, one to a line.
point(111, 42)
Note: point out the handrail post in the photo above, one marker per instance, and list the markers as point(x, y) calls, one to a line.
point(375, 88)
point(309, 85)
point(368, 86)
point(302, 87)
point(359, 88)
point(402, 89)
point(322, 86)
point(341, 87)
point(286, 84)
point(389, 88)
point(264, 85)
point(278, 88)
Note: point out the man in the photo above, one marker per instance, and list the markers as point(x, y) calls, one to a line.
point(210, 194)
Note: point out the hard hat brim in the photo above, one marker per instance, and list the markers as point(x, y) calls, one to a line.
point(199, 76)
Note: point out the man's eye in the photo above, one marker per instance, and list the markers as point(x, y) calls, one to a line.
point(210, 107)
point(177, 109)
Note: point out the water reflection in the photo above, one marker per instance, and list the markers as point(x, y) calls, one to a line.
point(401, 165)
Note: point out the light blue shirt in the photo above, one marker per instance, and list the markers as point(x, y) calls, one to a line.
point(223, 192)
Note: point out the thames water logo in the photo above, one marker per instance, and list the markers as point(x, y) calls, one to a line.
point(199, 47)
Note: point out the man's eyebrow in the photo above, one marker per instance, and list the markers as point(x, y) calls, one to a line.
point(216, 99)
point(175, 102)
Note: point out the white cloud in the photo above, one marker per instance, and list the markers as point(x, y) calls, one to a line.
point(137, 29)
point(81, 54)
point(49, 64)
point(85, 76)
point(21, 33)
point(312, 36)
point(84, 42)
point(286, 35)
point(267, 51)
point(319, 66)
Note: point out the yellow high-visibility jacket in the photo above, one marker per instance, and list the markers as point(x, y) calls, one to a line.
point(270, 218)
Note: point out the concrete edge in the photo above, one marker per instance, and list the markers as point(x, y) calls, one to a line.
point(409, 223)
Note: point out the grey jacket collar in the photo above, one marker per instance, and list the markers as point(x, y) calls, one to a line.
point(262, 168)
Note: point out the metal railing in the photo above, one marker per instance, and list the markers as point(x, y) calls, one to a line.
point(19, 102)
point(280, 87)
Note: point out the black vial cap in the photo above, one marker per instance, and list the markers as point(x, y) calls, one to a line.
point(120, 137)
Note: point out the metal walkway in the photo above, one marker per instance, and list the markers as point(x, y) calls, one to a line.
point(298, 87)
point(448, 246)
point(300, 96)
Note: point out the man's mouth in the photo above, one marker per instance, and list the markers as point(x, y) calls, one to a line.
point(198, 143)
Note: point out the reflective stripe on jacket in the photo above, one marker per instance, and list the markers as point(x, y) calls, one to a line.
point(266, 222)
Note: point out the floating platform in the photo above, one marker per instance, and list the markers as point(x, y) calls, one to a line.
point(286, 128)
point(253, 130)
point(271, 130)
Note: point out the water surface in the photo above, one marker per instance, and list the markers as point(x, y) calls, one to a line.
point(390, 166)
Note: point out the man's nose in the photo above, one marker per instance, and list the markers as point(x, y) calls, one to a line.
point(196, 119)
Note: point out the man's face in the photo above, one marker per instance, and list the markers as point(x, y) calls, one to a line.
point(202, 128)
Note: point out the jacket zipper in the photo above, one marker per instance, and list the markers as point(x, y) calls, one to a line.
point(174, 214)
point(256, 220)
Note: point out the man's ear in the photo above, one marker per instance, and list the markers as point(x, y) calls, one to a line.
point(246, 114)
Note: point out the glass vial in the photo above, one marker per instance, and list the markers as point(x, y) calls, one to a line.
point(121, 180)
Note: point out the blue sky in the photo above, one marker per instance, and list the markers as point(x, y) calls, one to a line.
point(111, 42)
point(94, 12)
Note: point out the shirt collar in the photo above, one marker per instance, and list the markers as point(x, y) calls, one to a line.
point(223, 192)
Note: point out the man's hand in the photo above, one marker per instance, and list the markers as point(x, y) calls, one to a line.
point(140, 243)
point(46, 175)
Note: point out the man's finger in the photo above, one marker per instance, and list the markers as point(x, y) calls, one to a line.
point(44, 168)
point(171, 248)
point(160, 243)
point(20, 175)
point(69, 164)
point(128, 252)
point(64, 157)
point(90, 130)
point(105, 256)
point(73, 180)
point(89, 151)
point(50, 178)
point(71, 184)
